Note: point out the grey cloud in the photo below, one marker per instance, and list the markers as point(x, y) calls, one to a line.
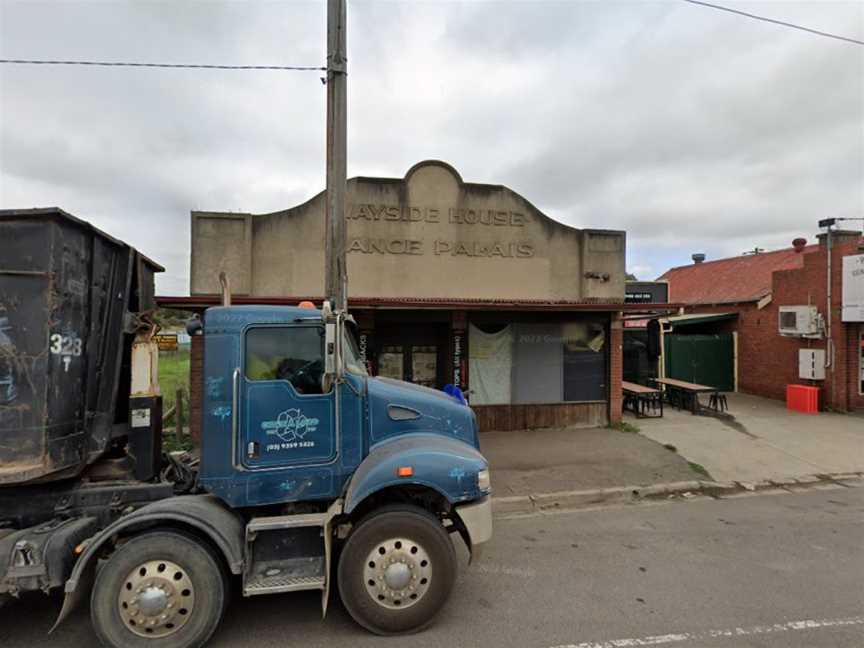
point(688, 128)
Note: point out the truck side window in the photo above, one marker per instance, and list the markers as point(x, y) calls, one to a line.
point(295, 354)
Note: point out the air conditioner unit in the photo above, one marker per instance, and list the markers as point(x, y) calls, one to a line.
point(801, 321)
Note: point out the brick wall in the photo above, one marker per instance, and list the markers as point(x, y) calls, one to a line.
point(767, 361)
point(196, 381)
point(616, 367)
point(854, 364)
point(792, 287)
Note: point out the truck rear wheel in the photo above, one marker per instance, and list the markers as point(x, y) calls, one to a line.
point(396, 570)
point(158, 589)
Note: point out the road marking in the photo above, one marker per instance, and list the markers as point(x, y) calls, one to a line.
point(504, 570)
point(679, 637)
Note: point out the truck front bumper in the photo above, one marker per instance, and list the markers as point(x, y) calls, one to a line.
point(477, 519)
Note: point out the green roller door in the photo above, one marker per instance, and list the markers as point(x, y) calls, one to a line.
point(704, 359)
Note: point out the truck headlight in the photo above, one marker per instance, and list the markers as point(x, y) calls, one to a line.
point(484, 482)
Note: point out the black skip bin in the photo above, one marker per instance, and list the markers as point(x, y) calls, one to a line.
point(66, 293)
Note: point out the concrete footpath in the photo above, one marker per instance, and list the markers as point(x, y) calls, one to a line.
point(762, 440)
point(542, 461)
point(760, 446)
point(546, 469)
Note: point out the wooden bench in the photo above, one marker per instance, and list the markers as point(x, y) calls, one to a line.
point(686, 394)
point(639, 399)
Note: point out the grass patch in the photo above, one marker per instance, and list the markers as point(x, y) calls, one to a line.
point(698, 468)
point(624, 426)
point(170, 442)
point(174, 375)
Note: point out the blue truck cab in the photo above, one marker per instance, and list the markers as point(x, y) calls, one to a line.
point(279, 427)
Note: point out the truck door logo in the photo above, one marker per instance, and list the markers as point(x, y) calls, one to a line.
point(291, 426)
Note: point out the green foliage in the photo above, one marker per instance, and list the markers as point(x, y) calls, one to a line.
point(624, 426)
point(168, 318)
point(174, 375)
point(698, 468)
point(170, 442)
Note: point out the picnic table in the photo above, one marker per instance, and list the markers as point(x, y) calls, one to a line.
point(682, 391)
point(639, 398)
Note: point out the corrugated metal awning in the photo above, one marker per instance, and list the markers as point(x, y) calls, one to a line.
point(199, 302)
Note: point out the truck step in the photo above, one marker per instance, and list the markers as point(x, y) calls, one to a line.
point(286, 522)
point(289, 575)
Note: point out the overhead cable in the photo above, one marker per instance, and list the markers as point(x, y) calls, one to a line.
point(194, 66)
point(776, 22)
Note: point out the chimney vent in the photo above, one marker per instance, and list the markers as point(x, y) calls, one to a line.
point(698, 257)
point(799, 244)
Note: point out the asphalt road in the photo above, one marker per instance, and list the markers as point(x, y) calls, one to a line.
point(765, 571)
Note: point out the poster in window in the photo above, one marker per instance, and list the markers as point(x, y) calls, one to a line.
point(490, 362)
point(391, 362)
point(424, 365)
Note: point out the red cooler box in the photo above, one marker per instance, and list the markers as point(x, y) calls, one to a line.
point(802, 398)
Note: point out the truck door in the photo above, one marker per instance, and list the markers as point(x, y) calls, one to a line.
point(285, 418)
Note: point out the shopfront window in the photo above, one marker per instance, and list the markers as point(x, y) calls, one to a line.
point(391, 362)
point(424, 365)
point(584, 361)
point(538, 362)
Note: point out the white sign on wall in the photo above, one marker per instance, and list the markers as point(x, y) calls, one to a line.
point(853, 288)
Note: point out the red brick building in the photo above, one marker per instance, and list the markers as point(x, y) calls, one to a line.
point(756, 287)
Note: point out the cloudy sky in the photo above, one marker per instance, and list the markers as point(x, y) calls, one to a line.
point(691, 129)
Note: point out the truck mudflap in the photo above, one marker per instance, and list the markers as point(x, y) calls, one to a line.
point(476, 517)
point(202, 514)
point(40, 557)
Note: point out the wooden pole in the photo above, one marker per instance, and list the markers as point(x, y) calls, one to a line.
point(336, 276)
point(178, 412)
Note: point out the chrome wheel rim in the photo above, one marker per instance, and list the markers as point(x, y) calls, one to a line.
point(156, 599)
point(397, 573)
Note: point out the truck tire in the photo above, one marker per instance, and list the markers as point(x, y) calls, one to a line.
point(397, 570)
point(161, 588)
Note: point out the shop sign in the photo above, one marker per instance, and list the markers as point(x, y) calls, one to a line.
point(459, 359)
point(166, 341)
point(646, 292)
point(636, 323)
point(363, 342)
point(853, 288)
point(502, 224)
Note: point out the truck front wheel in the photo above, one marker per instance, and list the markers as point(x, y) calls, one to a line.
point(158, 589)
point(396, 570)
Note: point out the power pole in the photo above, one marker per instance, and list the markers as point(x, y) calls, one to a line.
point(336, 275)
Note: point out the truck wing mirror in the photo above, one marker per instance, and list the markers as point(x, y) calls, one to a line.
point(330, 341)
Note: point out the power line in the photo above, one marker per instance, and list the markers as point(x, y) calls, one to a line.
point(776, 22)
point(194, 66)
